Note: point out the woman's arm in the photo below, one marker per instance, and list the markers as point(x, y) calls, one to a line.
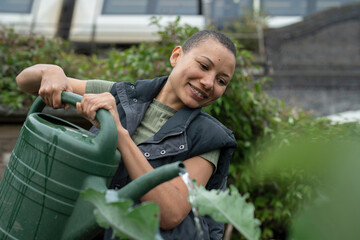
point(171, 196)
point(49, 81)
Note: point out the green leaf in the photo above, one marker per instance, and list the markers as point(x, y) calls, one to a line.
point(141, 222)
point(228, 207)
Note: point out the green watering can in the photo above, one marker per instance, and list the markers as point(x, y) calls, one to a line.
point(52, 162)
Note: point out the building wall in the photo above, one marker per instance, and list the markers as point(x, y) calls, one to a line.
point(315, 64)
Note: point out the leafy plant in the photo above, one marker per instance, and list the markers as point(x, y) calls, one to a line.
point(228, 207)
point(142, 221)
point(327, 160)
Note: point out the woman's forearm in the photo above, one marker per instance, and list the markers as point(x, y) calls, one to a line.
point(49, 81)
point(29, 80)
point(171, 196)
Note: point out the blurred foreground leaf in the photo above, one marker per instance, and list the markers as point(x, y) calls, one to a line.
point(330, 162)
point(335, 213)
point(228, 207)
point(141, 222)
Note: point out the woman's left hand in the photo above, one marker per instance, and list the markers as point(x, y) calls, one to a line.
point(90, 103)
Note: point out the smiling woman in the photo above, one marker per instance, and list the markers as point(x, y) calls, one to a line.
point(200, 75)
point(160, 121)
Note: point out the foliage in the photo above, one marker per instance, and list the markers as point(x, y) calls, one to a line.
point(141, 222)
point(18, 52)
point(228, 207)
point(328, 160)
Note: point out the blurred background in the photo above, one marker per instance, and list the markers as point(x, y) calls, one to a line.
point(309, 47)
point(299, 61)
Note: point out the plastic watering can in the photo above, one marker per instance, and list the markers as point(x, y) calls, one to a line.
point(52, 162)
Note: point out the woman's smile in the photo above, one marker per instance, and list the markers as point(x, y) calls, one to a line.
point(197, 92)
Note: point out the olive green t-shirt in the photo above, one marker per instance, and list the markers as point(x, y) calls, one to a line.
point(154, 118)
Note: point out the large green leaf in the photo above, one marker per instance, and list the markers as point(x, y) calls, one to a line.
point(141, 222)
point(228, 207)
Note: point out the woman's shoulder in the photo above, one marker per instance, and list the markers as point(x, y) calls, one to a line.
point(207, 126)
point(211, 121)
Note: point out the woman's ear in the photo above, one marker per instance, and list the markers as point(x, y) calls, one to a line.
point(175, 56)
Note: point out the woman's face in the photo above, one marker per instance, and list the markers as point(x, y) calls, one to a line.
point(201, 75)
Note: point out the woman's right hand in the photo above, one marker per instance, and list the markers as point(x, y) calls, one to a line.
point(91, 103)
point(48, 81)
point(53, 82)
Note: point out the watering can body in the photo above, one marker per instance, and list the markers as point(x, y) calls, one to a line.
point(52, 162)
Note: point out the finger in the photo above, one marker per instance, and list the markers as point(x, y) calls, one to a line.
point(79, 108)
point(56, 100)
point(82, 112)
point(88, 107)
point(46, 100)
point(85, 106)
point(43, 96)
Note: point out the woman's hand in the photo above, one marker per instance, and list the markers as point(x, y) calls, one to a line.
point(53, 82)
point(92, 102)
point(48, 81)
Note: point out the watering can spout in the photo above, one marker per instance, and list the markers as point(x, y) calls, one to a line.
point(140, 186)
point(81, 226)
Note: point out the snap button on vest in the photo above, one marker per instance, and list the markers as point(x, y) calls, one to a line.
point(181, 147)
point(147, 154)
point(135, 100)
point(162, 152)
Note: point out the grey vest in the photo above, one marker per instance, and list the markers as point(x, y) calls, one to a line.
point(189, 133)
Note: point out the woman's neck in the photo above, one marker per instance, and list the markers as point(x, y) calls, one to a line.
point(168, 97)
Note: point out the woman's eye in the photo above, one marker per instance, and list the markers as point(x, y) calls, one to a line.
point(221, 81)
point(203, 66)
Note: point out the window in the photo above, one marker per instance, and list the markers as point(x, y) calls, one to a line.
point(285, 7)
point(151, 7)
point(178, 7)
point(16, 6)
point(222, 9)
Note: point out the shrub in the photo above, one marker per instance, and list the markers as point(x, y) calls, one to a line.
point(18, 52)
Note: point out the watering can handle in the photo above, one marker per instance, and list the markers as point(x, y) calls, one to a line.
point(106, 133)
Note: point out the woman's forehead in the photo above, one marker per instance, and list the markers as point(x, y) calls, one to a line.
point(210, 45)
point(216, 55)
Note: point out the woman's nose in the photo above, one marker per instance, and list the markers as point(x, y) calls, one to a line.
point(207, 82)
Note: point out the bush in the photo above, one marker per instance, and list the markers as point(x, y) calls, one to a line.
point(18, 52)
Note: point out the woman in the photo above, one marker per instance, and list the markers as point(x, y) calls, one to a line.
point(160, 121)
